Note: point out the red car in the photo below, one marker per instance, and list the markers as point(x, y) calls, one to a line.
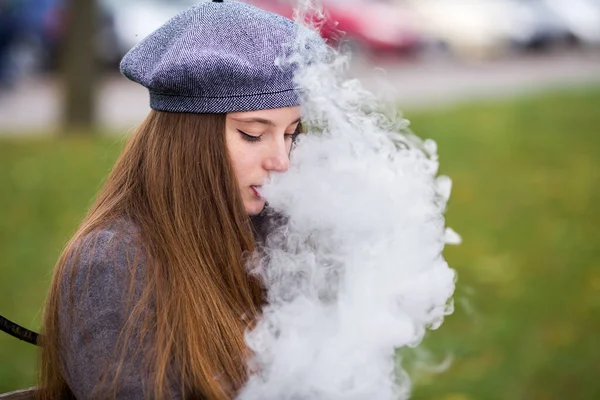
point(374, 26)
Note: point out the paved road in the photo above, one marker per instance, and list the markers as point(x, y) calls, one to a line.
point(35, 104)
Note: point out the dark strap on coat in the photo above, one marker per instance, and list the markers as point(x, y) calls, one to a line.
point(18, 331)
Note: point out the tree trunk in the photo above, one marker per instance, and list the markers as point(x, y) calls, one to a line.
point(79, 68)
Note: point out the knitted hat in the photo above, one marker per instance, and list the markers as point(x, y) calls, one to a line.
point(216, 57)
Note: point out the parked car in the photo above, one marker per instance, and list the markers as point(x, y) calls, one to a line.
point(582, 17)
point(530, 24)
point(467, 28)
point(487, 28)
point(372, 26)
point(377, 25)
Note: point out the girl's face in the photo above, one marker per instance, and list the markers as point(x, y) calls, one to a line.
point(259, 142)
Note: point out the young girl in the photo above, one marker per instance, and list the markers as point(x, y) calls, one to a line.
point(151, 297)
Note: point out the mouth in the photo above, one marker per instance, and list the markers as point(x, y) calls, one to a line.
point(255, 190)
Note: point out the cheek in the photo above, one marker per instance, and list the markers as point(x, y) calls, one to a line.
point(245, 162)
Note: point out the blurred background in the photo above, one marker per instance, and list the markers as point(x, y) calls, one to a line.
point(509, 89)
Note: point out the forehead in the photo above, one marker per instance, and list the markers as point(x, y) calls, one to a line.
point(276, 116)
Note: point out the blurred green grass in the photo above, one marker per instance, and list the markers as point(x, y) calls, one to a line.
point(526, 176)
point(47, 185)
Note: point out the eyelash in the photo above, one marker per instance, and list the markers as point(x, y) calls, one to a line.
point(251, 138)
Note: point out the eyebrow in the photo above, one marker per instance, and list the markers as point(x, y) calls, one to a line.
point(261, 121)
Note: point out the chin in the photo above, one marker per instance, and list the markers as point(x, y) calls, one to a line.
point(254, 207)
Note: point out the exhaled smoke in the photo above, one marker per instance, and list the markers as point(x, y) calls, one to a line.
point(355, 270)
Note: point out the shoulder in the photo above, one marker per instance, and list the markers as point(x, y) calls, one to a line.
point(115, 243)
point(117, 239)
point(104, 260)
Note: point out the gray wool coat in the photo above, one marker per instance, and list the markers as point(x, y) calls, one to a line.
point(93, 310)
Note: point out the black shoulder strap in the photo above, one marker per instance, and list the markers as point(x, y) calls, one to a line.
point(18, 331)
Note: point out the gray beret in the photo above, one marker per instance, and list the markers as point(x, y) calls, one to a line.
point(216, 57)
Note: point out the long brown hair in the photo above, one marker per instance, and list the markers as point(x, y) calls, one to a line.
point(175, 181)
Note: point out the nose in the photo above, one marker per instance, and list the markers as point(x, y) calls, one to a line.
point(278, 158)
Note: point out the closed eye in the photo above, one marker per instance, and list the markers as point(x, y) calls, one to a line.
point(249, 138)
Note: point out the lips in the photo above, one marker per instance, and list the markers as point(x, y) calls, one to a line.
point(255, 190)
